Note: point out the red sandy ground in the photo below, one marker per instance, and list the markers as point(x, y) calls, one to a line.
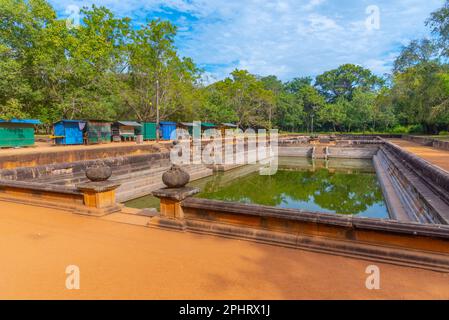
point(436, 156)
point(124, 261)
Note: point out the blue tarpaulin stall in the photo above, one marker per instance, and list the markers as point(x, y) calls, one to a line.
point(167, 127)
point(69, 131)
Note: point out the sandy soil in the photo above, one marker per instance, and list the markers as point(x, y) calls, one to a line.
point(436, 156)
point(123, 261)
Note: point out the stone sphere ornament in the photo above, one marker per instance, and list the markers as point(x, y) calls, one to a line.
point(175, 177)
point(98, 172)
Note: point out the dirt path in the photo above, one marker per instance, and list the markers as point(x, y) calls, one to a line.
point(124, 261)
point(436, 156)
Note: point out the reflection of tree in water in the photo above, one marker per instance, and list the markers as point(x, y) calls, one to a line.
point(337, 192)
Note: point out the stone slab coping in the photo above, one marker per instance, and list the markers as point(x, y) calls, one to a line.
point(386, 225)
point(177, 194)
point(39, 187)
point(99, 186)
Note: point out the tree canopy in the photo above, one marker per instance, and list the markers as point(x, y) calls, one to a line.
point(112, 68)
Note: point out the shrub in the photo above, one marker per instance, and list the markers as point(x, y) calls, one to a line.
point(416, 128)
point(399, 129)
point(444, 133)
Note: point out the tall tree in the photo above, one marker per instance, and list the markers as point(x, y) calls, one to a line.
point(439, 23)
point(343, 81)
point(153, 64)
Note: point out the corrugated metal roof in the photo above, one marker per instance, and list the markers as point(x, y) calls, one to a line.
point(166, 122)
point(129, 123)
point(187, 124)
point(26, 121)
point(229, 125)
point(65, 120)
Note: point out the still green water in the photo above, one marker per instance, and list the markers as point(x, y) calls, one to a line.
point(339, 188)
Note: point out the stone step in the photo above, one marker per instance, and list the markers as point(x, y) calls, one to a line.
point(148, 179)
point(55, 179)
point(143, 187)
point(117, 175)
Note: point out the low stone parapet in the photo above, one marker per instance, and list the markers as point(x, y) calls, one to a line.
point(430, 142)
point(411, 244)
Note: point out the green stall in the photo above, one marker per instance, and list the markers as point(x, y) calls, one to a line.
point(17, 133)
point(149, 130)
point(98, 131)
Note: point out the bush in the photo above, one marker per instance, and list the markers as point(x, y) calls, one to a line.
point(399, 129)
point(444, 133)
point(416, 128)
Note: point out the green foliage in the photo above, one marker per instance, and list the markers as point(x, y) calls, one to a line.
point(12, 110)
point(109, 68)
point(439, 23)
point(343, 81)
point(400, 129)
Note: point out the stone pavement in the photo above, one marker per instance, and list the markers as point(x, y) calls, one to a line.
point(435, 156)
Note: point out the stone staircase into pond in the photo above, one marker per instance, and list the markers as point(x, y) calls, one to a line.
point(136, 180)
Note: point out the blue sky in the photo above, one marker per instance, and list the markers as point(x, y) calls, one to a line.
point(287, 38)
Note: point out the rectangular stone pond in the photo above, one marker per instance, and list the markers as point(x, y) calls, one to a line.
point(336, 186)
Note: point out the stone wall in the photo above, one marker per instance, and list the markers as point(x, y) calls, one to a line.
point(61, 155)
point(359, 152)
point(423, 189)
point(424, 246)
point(50, 173)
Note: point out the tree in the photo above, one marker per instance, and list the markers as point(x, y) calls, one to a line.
point(153, 61)
point(312, 102)
point(439, 24)
point(418, 51)
point(295, 85)
point(289, 112)
point(250, 101)
point(343, 81)
point(419, 93)
point(334, 113)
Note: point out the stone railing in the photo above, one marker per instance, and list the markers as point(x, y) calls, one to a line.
point(435, 143)
point(436, 177)
point(411, 244)
point(91, 198)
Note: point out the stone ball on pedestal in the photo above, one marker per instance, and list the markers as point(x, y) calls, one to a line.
point(98, 172)
point(175, 177)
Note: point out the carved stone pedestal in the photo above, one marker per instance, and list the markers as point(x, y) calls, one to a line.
point(171, 199)
point(100, 195)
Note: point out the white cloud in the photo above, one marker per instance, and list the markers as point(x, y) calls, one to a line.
point(313, 3)
point(285, 37)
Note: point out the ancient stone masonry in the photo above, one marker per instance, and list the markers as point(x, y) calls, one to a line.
point(418, 188)
point(435, 143)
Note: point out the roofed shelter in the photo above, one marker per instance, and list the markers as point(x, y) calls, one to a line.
point(17, 133)
point(187, 126)
point(227, 126)
point(167, 127)
point(149, 130)
point(69, 132)
point(125, 130)
point(98, 131)
point(208, 125)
